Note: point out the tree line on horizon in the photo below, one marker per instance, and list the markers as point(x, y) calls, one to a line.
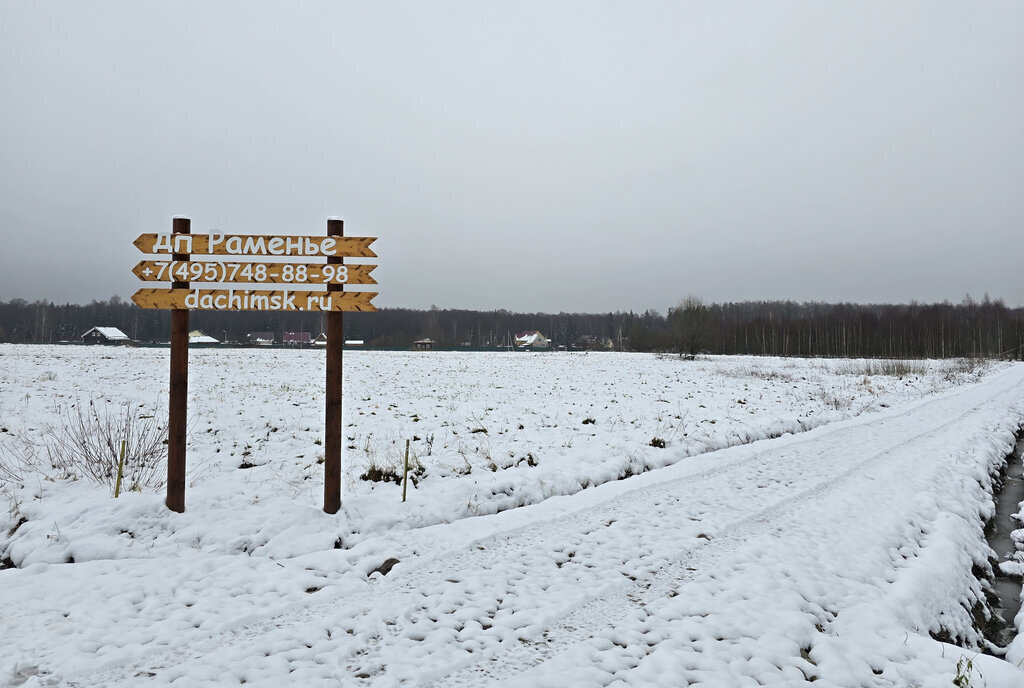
point(986, 328)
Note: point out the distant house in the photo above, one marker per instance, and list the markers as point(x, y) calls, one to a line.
point(426, 344)
point(197, 338)
point(321, 340)
point(297, 339)
point(105, 335)
point(261, 338)
point(354, 342)
point(532, 339)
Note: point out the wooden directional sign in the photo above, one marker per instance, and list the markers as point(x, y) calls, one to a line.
point(256, 245)
point(226, 272)
point(254, 300)
point(181, 270)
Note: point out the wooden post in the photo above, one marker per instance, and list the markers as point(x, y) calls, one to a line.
point(332, 415)
point(177, 410)
point(405, 471)
point(120, 471)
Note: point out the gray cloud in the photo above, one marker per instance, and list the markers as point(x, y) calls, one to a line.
point(534, 156)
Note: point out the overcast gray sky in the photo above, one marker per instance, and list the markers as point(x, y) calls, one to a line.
point(534, 156)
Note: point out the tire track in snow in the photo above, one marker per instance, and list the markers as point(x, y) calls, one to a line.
point(605, 613)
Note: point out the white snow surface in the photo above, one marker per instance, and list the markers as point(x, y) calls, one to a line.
point(805, 521)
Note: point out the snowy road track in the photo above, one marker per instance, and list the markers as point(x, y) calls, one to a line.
point(830, 556)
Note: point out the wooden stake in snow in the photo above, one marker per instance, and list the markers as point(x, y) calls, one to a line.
point(332, 410)
point(120, 471)
point(177, 409)
point(405, 473)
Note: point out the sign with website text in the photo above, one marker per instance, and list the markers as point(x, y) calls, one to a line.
point(254, 300)
point(181, 270)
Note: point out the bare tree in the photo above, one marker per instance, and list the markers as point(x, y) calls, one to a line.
point(692, 326)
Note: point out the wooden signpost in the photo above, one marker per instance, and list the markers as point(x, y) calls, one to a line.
point(182, 269)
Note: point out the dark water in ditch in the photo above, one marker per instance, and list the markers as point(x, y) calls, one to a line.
point(1008, 501)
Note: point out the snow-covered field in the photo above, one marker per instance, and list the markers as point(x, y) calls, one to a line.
point(832, 550)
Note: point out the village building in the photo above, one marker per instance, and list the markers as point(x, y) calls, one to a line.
point(105, 335)
point(320, 340)
point(297, 339)
point(424, 344)
point(198, 338)
point(532, 339)
point(261, 338)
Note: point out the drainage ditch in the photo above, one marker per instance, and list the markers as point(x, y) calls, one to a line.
point(1006, 589)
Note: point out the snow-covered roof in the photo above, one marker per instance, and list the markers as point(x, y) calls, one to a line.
point(530, 338)
point(111, 333)
point(200, 338)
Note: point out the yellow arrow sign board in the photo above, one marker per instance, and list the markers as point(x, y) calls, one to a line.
point(234, 272)
point(254, 300)
point(256, 245)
